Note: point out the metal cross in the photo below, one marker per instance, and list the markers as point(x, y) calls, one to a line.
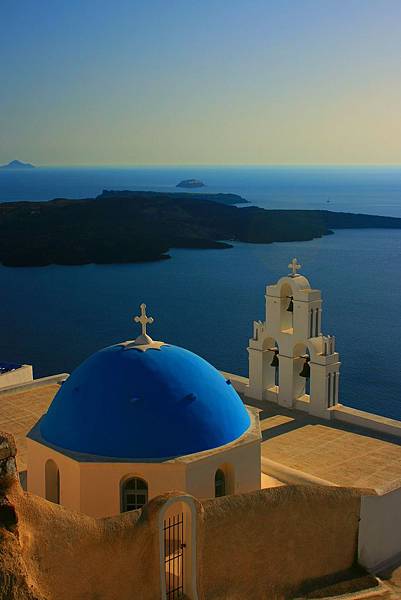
point(294, 266)
point(144, 320)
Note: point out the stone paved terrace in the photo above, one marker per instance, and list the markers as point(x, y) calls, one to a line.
point(20, 410)
point(342, 454)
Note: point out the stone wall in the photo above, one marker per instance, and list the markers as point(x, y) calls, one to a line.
point(268, 543)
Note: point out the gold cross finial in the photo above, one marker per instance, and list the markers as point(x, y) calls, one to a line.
point(144, 320)
point(294, 266)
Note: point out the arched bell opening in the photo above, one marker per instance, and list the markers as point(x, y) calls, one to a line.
point(286, 309)
point(52, 482)
point(177, 526)
point(271, 366)
point(301, 373)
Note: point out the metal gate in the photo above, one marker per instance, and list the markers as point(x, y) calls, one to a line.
point(174, 547)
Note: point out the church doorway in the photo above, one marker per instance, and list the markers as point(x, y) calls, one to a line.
point(177, 524)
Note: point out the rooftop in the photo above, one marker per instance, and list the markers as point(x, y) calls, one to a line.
point(20, 410)
point(339, 453)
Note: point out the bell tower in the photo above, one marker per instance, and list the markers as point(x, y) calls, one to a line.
point(290, 361)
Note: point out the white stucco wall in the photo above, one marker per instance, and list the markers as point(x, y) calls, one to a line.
point(69, 470)
point(94, 488)
point(367, 420)
point(101, 483)
point(23, 374)
point(241, 466)
point(380, 530)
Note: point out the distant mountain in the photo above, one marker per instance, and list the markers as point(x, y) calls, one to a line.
point(190, 183)
point(17, 164)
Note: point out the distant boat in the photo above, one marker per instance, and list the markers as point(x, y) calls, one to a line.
point(17, 164)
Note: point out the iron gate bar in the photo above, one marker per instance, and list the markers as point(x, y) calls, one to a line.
point(174, 556)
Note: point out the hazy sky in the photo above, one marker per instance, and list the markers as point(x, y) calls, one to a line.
point(205, 81)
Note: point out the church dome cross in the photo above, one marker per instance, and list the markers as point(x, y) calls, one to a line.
point(143, 342)
point(294, 266)
point(143, 319)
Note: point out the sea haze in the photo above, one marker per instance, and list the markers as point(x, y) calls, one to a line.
point(374, 190)
point(53, 317)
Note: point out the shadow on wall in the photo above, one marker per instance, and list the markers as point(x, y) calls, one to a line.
point(263, 544)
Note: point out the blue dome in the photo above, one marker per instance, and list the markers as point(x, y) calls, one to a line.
point(125, 403)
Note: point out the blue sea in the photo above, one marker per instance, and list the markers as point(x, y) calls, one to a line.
point(54, 317)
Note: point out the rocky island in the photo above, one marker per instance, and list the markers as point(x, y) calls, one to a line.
point(119, 227)
point(190, 183)
point(17, 164)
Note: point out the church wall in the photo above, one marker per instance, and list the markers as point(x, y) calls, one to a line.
point(380, 530)
point(101, 483)
point(38, 455)
point(240, 464)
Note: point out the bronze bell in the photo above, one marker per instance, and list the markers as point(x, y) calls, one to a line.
point(290, 307)
point(275, 361)
point(305, 370)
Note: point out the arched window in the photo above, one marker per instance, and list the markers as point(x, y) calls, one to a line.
point(134, 494)
point(52, 482)
point(219, 483)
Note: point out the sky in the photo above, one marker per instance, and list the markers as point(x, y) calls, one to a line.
point(217, 82)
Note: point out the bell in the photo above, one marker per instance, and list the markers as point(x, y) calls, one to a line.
point(290, 307)
point(305, 370)
point(275, 362)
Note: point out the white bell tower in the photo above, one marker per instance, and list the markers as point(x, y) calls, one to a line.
point(290, 361)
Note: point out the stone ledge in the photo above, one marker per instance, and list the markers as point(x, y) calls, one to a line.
point(290, 475)
point(43, 381)
point(339, 412)
point(366, 420)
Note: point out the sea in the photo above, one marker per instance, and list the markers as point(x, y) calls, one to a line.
point(206, 300)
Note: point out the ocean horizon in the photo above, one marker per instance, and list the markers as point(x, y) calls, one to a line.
point(375, 190)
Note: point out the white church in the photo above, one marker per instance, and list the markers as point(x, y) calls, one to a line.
point(143, 417)
point(138, 419)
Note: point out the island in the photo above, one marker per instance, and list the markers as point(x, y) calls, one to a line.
point(190, 183)
point(17, 164)
point(124, 227)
